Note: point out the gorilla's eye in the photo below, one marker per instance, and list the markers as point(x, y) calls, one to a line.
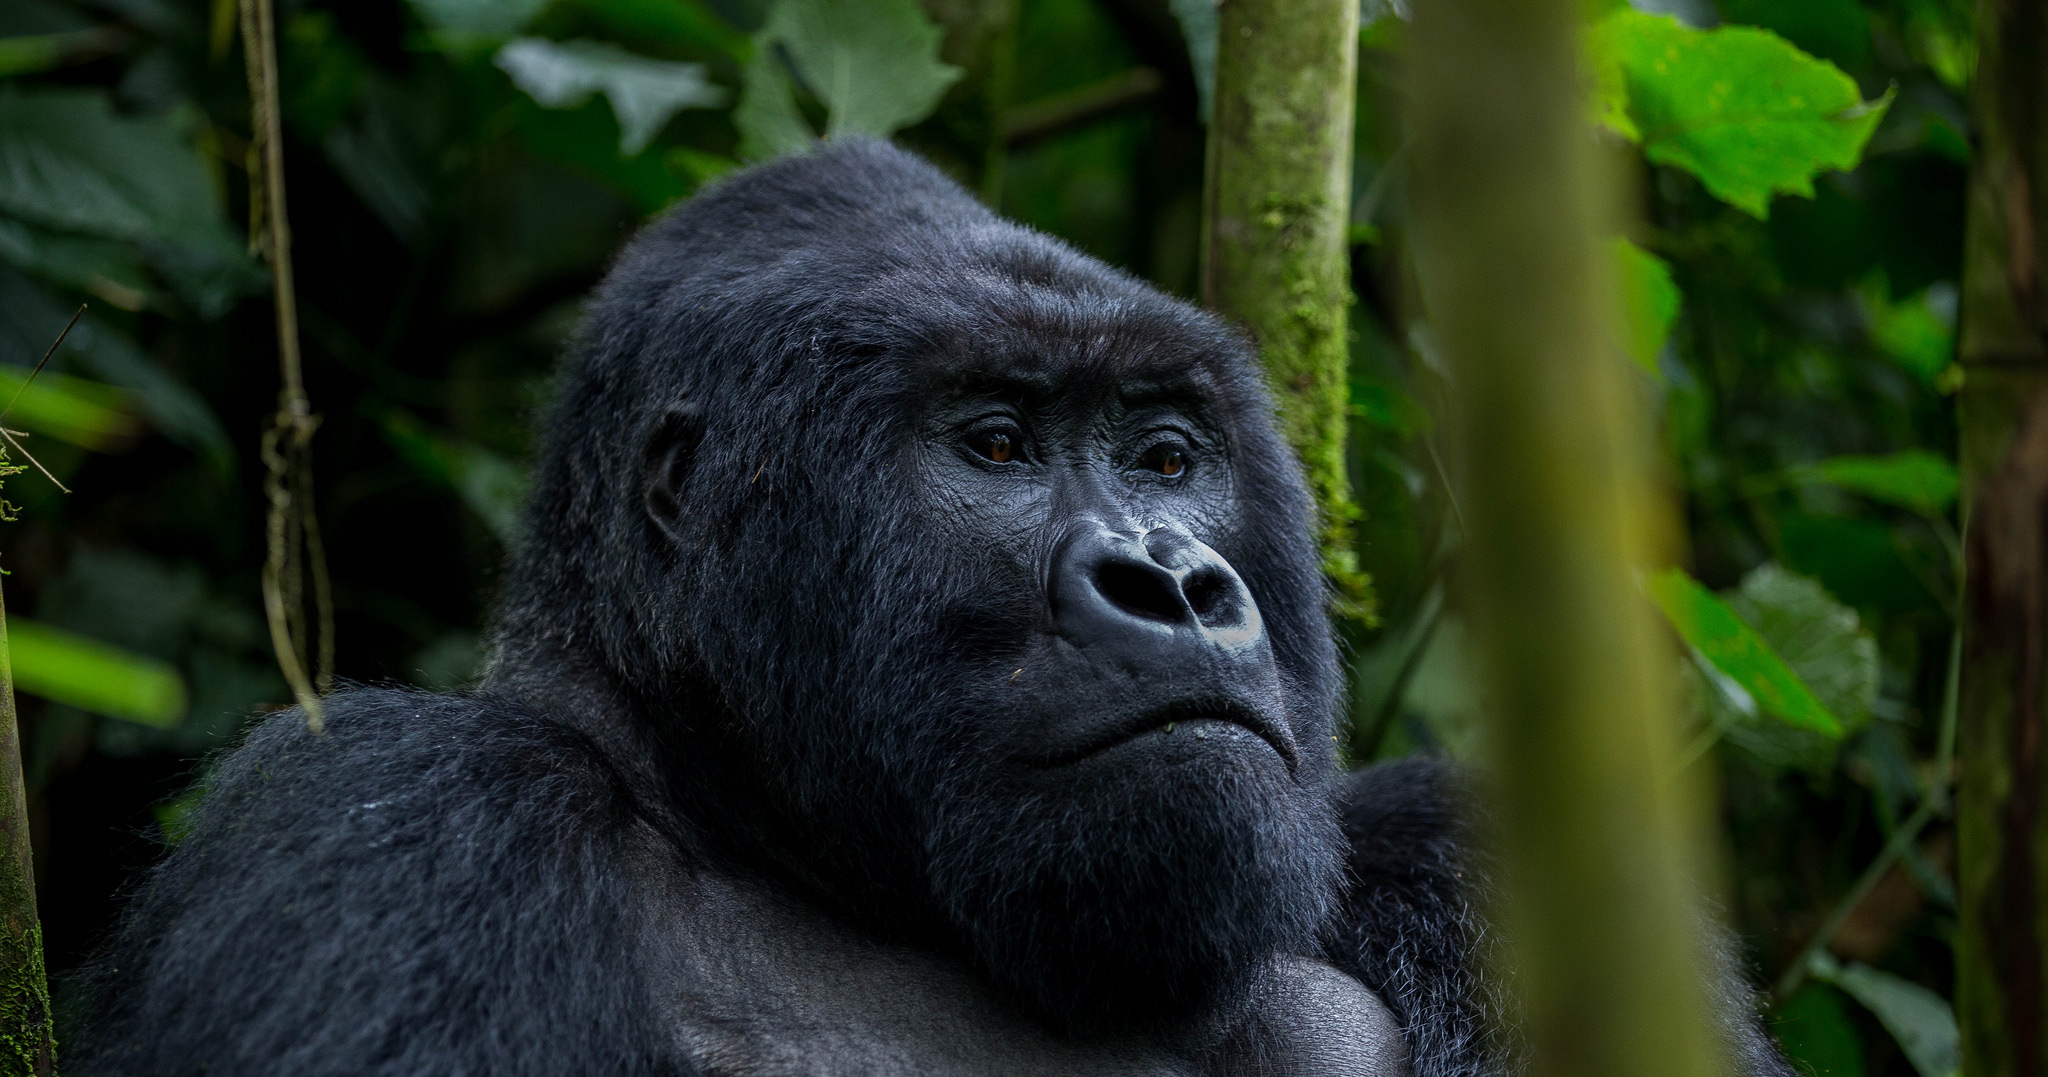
point(1164, 460)
point(995, 445)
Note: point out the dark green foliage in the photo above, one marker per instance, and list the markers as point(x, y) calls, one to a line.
point(447, 224)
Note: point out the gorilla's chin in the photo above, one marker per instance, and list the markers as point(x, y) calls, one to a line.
point(1139, 886)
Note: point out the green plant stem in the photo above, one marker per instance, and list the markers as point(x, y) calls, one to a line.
point(1028, 123)
point(1601, 835)
point(1901, 840)
point(28, 1044)
point(1277, 203)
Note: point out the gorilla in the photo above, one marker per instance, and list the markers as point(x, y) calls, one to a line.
point(916, 663)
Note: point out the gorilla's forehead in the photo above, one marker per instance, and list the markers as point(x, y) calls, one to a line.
point(1054, 335)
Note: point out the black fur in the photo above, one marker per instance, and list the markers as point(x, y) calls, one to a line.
point(431, 886)
point(756, 629)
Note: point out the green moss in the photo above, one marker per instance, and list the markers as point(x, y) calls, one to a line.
point(28, 1044)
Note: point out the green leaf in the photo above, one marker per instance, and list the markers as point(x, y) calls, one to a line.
point(29, 54)
point(1649, 301)
point(478, 20)
point(1915, 479)
point(1922, 1021)
point(1823, 641)
point(873, 63)
point(1815, 1029)
point(74, 410)
point(71, 669)
point(1917, 332)
point(643, 93)
point(1741, 108)
point(69, 163)
point(767, 116)
point(1738, 652)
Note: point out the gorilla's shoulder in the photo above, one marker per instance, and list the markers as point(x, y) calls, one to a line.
point(1409, 815)
point(429, 884)
point(1412, 927)
point(396, 764)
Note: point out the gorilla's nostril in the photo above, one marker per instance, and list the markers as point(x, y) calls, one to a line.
point(1208, 593)
point(1136, 589)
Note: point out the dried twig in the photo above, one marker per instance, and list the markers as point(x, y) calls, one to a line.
point(11, 436)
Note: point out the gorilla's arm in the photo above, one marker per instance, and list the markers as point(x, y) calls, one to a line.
point(432, 885)
point(1413, 929)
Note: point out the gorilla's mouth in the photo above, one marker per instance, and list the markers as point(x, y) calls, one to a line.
point(1189, 716)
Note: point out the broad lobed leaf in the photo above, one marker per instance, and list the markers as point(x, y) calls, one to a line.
point(1741, 108)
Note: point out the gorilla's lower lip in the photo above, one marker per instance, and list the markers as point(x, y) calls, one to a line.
point(1186, 712)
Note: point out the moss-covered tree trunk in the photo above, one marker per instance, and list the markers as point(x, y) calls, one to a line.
point(28, 1043)
point(1277, 201)
point(2002, 821)
point(1599, 838)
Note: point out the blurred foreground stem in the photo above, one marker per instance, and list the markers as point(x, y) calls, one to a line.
point(1600, 838)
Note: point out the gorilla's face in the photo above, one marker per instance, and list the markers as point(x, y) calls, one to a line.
point(1139, 814)
point(1017, 633)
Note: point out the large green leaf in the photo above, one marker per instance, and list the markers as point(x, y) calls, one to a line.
point(70, 163)
point(1915, 479)
point(1825, 644)
point(644, 93)
point(770, 123)
point(1922, 1021)
point(67, 668)
point(874, 64)
point(1738, 652)
point(1741, 108)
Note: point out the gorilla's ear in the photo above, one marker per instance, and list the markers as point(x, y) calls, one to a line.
point(670, 452)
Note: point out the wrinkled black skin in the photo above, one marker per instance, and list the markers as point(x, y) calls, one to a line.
point(776, 617)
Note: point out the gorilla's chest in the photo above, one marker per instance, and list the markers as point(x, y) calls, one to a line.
point(755, 985)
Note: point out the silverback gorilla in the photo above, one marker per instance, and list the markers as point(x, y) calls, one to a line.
point(916, 664)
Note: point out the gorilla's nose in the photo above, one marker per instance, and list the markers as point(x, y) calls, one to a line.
point(1110, 587)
